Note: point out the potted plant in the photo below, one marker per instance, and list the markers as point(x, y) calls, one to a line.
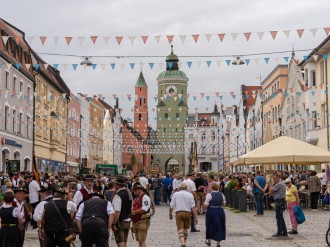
point(242, 197)
point(231, 186)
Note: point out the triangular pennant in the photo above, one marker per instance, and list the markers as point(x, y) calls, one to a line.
point(18, 66)
point(161, 65)
point(221, 36)
point(276, 59)
point(170, 38)
point(30, 39)
point(325, 56)
point(208, 37)
point(157, 38)
point(36, 66)
point(326, 30)
point(5, 39)
point(195, 37)
point(313, 31)
point(189, 64)
point(94, 66)
point(170, 64)
point(305, 57)
point(287, 33)
point(228, 61)
point(266, 60)
point(106, 39)
point(260, 35)
point(218, 62)
point(151, 65)
point(183, 38)
point(207, 97)
point(42, 39)
point(65, 66)
point(234, 36)
point(131, 39)
point(144, 39)
point(132, 65)
point(27, 66)
point(247, 61)
point(199, 63)
point(74, 66)
point(18, 39)
point(315, 57)
point(94, 38)
point(103, 65)
point(257, 60)
point(247, 36)
point(55, 65)
point(68, 40)
point(113, 65)
point(300, 32)
point(273, 33)
point(286, 59)
point(202, 94)
point(208, 63)
point(55, 40)
point(46, 65)
point(81, 40)
point(119, 39)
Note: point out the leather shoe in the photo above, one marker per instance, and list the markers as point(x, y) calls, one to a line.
point(293, 232)
point(277, 235)
point(195, 230)
point(207, 243)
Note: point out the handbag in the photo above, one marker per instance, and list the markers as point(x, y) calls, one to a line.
point(326, 199)
point(300, 217)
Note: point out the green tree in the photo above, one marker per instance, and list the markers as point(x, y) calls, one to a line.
point(133, 160)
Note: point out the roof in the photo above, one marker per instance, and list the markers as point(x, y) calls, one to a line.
point(315, 51)
point(141, 82)
point(172, 74)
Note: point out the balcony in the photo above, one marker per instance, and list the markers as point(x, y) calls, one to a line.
point(312, 136)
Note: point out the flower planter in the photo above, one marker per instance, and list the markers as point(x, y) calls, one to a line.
point(242, 197)
point(235, 199)
point(227, 195)
point(231, 195)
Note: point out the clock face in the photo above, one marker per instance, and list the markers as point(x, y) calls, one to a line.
point(171, 89)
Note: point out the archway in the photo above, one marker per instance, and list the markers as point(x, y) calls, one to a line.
point(5, 156)
point(172, 165)
point(17, 155)
point(27, 164)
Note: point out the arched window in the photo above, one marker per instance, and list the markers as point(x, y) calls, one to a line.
point(140, 117)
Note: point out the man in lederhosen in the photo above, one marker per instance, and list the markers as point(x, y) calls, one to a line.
point(19, 202)
point(94, 220)
point(140, 214)
point(46, 195)
point(84, 193)
point(122, 204)
point(57, 219)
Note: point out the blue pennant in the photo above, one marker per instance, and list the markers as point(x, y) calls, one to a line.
point(286, 94)
point(132, 65)
point(155, 98)
point(170, 64)
point(74, 66)
point(208, 63)
point(220, 97)
point(266, 59)
point(113, 65)
point(103, 98)
point(247, 61)
point(194, 98)
point(36, 66)
point(260, 95)
point(189, 64)
point(151, 65)
point(313, 92)
point(228, 61)
point(299, 93)
point(305, 57)
point(18, 65)
point(168, 97)
point(207, 98)
point(325, 56)
point(55, 65)
point(286, 59)
point(94, 66)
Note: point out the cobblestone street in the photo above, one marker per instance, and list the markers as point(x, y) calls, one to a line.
point(243, 229)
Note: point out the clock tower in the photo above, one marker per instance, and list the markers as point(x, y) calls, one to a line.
point(171, 115)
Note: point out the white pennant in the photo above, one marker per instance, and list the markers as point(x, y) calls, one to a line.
point(55, 40)
point(260, 34)
point(9, 66)
point(218, 62)
point(234, 36)
point(287, 33)
point(5, 39)
point(103, 66)
point(199, 63)
point(46, 65)
point(161, 65)
point(122, 66)
point(65, 66)
point(29, 39)
point(183, 38)
point(157, 38)
point(106, 39)
point(315, 57)
point(208, 37)
point(257, 60)
point(313, 31)
point(81, 40)
point(276, 59)
point(27, 65)
point(132, 39)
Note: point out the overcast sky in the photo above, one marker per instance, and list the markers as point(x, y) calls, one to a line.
point(84, 18)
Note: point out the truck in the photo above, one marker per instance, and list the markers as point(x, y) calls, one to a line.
point(109, 169)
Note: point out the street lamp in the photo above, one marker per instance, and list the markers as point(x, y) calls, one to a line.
point(86, 62)
point(238, 61)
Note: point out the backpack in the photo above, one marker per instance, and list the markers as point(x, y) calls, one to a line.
point(300, 217)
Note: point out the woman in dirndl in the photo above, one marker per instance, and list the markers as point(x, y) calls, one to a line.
point(215, 218)
point(11, 219)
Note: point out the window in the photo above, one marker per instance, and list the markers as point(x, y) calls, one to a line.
point(322, 71)
point(203, 135)
point(14, 121)
point(177, 115)
point(190, 136)
point(313, 78)
point(28, 92)
point(140, 117)
point(306, 76)
point(6, 117)
point(7, 80)
point(14, 85)
point(140, 101)
point(314, 119)
point(213, 135)
point(20, 123)
point(27, 126)
point(45, 128)
point(203, 150)
point(176, 129)
point(21, 86)
point(324, 117)
point(165, 130)
point(166, 115)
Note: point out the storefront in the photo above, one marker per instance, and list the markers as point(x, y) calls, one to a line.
point(73, 167)
point(46, 165)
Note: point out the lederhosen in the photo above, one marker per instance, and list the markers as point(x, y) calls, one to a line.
point(42, 241)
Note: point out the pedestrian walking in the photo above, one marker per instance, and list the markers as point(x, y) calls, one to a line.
point(34, 197)
point(11, 221)
point(278, 190)
point(84, 193)
point(292, 199)
point(94, 221)
point(191, 188)
point(314, 187)
point(122, 204)
point(140, 214)
point(57, 220)
point(215, 219)
point(182, 204)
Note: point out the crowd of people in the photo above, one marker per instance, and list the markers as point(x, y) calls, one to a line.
point(63, 206)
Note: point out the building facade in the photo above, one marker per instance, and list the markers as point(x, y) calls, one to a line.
point(17, 86)
point(108, 134)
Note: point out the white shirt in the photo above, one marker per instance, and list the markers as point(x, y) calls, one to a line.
point(20, 206)
point(144, 182)
point(191, 185)
point(16, 212)
point(37, 215)
point(33, 191)
point(146, 203)
point(78, 197)
point(182, 201)
point(324, 179)
point(70, 207)
point(209, 198)
point(116, 202)
point(80, 212)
